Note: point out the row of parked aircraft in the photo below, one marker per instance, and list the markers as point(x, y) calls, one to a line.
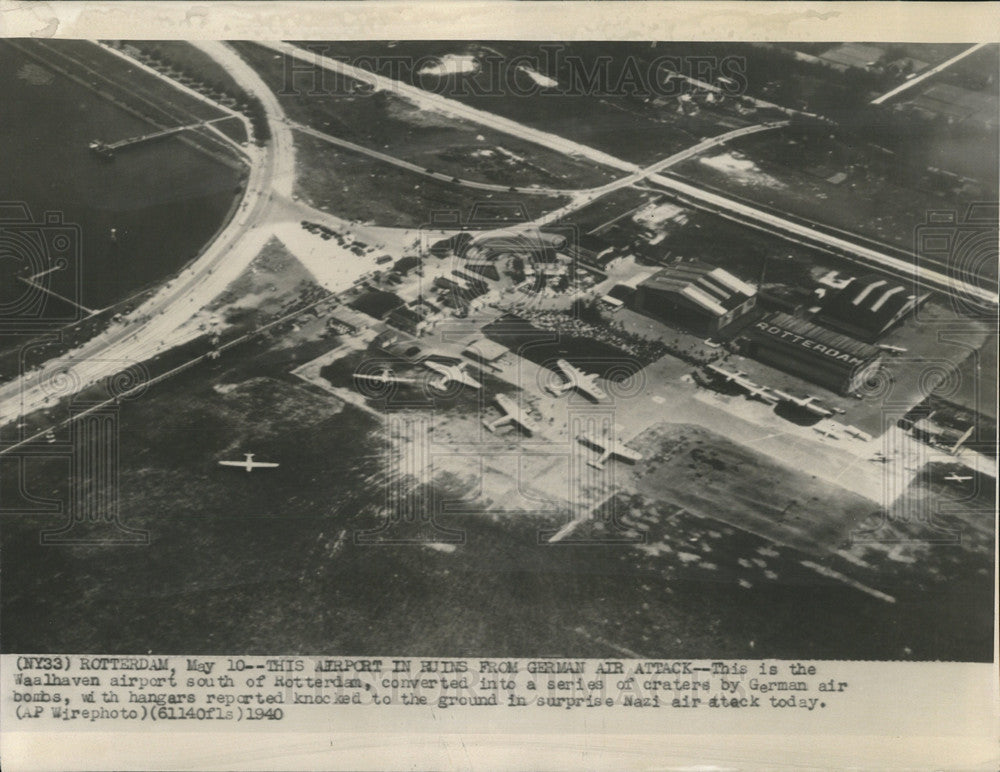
point(448, 374)
point(512, 414)
point(770, 395)
point(608, 447)
point(575, 378)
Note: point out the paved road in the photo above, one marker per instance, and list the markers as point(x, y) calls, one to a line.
point(157, 325)
point(924, 76)
point(695, 196)
point(587, 197)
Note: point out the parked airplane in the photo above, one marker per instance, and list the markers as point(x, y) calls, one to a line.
point(383, 377)
point(609, 448)
point(577, 379)
point(249, 464)
point(893, 349)
point(826, 431)
point(449, 374)
point(739, 378)
point(512, 414)
point(808, 402)
point(958, 477)
point(857, 433)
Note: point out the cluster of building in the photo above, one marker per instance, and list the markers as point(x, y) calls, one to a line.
point(834, 349)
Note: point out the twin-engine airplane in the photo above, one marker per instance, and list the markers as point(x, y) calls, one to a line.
point(827, 430)
point(450, 374)
point(809, 403)
point(249, 464)
point(512, 414)
point(740, 379)
point(608, 447)
point(384, 376)
point(577, 379)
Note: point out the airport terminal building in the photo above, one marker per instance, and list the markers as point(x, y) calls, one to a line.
point(827, 358)
point(698, 296)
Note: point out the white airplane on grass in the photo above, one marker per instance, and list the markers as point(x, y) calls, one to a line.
point(249, 464)
point(512, 414)
point(609, 448)
point(450, 374)
point(577, 379)
point(808, 402)
point(740, 379)
point(953, 477)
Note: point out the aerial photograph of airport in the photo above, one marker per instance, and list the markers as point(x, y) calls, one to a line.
point(458, 348)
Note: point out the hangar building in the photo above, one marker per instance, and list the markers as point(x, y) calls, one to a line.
point(868, 307)
point(696, 295)
point(827, 358)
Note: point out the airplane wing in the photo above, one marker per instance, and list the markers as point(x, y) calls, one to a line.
point(382, 378)
point(241, 464)
point(589, 386)
point(468, 380)
point(567, 369)
point(515, 413)
point(627, 453)
point(263, 464)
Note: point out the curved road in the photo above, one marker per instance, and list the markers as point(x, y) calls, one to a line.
point(156, 325)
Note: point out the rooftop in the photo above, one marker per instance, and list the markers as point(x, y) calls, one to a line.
point(821, 335)
point(714, 289)
point(869, 303)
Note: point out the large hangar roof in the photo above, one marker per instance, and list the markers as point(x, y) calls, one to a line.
point(713, 289)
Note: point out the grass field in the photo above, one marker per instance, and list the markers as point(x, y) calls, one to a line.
point(355, 187)
point(382, 121)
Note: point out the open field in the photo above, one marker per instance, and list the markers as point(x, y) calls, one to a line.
point(382, 121)
point(639, 122)
point(711, 476)
point(356, 187)
point(270, 563)
point(797, 172)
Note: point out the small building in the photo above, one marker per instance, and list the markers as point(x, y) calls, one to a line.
point(485, 350)
point(376, 303)
point(406, 319)
point(444, 283)
point(406, 265)
point(866, 308)
point(695, 295)
point(829, 359)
